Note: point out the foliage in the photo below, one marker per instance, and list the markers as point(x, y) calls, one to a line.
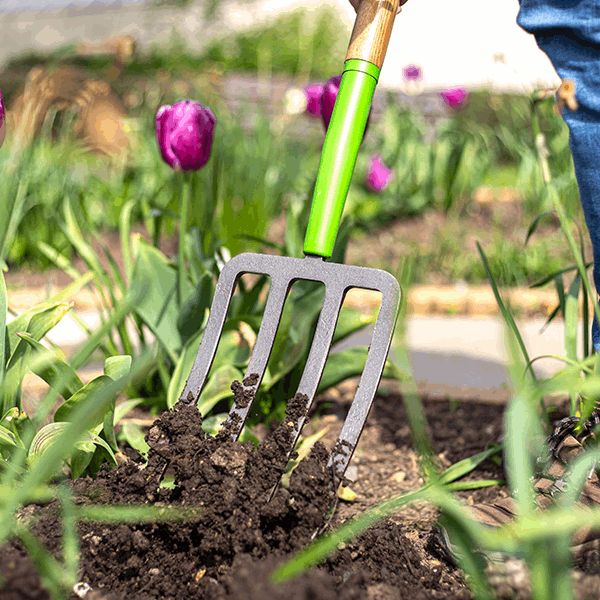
point(20, 434)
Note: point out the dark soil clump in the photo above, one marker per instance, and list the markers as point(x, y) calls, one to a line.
point(232, 537)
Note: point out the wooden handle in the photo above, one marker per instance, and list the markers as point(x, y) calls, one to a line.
point(372, 29)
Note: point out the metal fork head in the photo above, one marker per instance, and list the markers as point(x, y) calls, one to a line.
point(284, 272)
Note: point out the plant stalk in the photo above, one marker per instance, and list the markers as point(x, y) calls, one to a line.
point(186, 201)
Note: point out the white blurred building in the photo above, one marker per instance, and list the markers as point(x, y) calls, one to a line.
point(473, 43)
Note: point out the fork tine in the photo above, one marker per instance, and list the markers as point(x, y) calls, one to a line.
point(319, 351)
point(370, 378)
point(212, 333)
point(259, 358)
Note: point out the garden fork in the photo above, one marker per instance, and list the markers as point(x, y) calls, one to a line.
point(365, 56)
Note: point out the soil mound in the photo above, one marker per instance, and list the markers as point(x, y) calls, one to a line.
point(232, 537)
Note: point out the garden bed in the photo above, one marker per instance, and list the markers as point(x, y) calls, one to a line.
point(229, 551)
point(232, 540)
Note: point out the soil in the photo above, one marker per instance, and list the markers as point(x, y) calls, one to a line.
point(233, 539)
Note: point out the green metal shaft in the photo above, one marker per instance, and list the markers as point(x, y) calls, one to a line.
point(340, 150)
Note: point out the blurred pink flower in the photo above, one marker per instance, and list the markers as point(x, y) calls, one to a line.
point(379, 176)
point(454, 98)
point(185, 134)
point(313, 99)
point(412, 73)
point(328, 98)
point(2, 120)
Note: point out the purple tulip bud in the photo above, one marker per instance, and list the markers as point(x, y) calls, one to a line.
point(328, 98)
point(454, 98)
point(2, 120)
point(313, 98)
point(379, 176)
point(412, 73)
point(185, 134)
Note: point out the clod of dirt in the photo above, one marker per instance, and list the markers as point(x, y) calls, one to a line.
point(233, 538)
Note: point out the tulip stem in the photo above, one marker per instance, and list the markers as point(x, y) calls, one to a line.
point(183, 225)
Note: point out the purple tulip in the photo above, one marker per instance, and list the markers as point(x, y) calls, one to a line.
point(412, 73)
point(454, 98)
point(2, 120)
point(379, 176)
point(313, 99)
point(328, 98)
point(185, 134)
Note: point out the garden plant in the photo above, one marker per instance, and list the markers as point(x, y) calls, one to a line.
point(94, 502)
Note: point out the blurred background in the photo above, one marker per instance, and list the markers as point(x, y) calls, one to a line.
point(463, 42)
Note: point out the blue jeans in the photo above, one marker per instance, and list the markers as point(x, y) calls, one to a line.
point(568, 31)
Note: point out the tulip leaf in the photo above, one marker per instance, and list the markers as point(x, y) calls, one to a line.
point(124, 407)
point(38, 324)
point(134, 436)
point(53, 370)
point(350, 321)
point(218, 387)
point(65, 410)
point(182, 371)
point(351, 363)
point(80, 460)
point(116, 367)
point(8, 440)
point(4, 349)
point(232, 350)
point(194, 310)
point(157, 307)
point(295, 334)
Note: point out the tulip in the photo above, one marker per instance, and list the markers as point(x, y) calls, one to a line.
point(185, 134)
point(454, 98)
point(313, 95)
point(328, 98)
point(379, 176)
point(2, 120)
point(412, 73)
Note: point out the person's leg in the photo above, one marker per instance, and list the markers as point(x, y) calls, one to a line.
point(568, 31)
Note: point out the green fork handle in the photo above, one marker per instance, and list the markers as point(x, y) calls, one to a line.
point(368, 45)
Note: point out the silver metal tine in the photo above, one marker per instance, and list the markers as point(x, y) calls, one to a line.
point(212, 333)
point(259, 358)
point(319, 351)
point(371, 375)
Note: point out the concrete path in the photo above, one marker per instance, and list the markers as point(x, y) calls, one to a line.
point(449, 354)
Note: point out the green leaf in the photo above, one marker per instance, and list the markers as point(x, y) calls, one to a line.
point(44, 439)
point(65, 410)
point(571, 318)
point(351, 363)
point(133, 435)
point(124, 407)
point(182, 371)
point(350, 321)
point(9, 439)
point(158, 306)
point(194, 310)
point(465, 466)
point(53, 370)
point(116, 367)
point(3, 331)
point(218, 387)
point(294, 335)
point(39, 324)
point(80, 460)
